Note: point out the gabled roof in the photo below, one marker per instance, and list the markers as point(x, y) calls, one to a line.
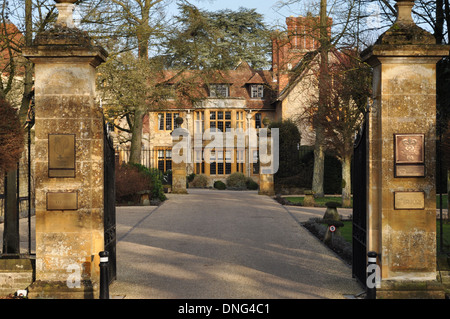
point(194, 83)
point(256, 79)
point(298, 73)
point(11, 39)
point(301, 69)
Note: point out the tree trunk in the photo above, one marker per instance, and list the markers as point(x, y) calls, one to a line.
point(439, 29)
point(319, 164)
point(319, 156)
point(346, 181)
point(28, 77)
point(136, 138)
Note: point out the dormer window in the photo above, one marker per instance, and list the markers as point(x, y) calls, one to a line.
point(257, 91)
point(219, 90)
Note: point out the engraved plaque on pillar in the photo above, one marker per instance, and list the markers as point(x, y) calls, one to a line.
point(409, 200)
point(62, 201)
point(409, 170)
point(409, 155)
point(61, 155)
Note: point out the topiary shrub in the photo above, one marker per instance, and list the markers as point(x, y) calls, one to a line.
point(220, 185)
point(237, 181)
point(251, 184)
point(200, 181)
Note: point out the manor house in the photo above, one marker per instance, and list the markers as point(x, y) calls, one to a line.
point(241, 98)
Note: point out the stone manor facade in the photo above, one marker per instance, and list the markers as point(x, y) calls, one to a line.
point(242, 98)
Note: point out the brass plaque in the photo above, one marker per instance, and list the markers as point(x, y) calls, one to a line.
point(409, 200)
point(62, 201)
point(409, 149)
point(61, 155)
point(410, 171)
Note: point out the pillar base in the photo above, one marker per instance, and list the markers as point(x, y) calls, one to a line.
point(59, 290)
point(266, 185)
point(179, 191)
point(412, 289)
point(268, 192)
point(15, 274)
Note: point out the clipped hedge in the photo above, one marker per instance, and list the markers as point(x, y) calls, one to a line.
point(220, 185)
point(237, 181)
point(251, 184)
point(200, 181)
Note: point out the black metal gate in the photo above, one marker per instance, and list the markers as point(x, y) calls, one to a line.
point(359, 263)
point(110, 205)
point(17, 201)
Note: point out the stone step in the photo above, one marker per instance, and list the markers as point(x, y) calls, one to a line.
point(15, 274)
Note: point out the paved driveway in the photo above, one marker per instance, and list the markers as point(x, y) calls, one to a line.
point(224, 244)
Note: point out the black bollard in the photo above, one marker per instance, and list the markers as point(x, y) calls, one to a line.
point(104, 280)
point(371, 275)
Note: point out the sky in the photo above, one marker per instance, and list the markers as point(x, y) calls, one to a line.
point(273, 15)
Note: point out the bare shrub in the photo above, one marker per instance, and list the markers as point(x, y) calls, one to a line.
point(129, 182)
point(11, 138)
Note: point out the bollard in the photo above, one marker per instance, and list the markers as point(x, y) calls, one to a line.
point(104, 280)
point(372, 275)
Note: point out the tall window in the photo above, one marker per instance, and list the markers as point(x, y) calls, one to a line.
point(164, 159)
point(167, 121)
point(255, 162)
point(199, 162)
point(240, 160)
point(228, 159)
point(258, 121)
point(257, 91)
point(213, 164)
point(220, 163)
point(200, 122)
point(220, 121)
point(219, 90)
point(240, 119)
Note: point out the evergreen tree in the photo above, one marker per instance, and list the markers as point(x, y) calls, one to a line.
point(217, 40)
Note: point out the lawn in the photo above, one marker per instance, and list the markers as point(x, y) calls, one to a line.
point(444, 201)
point(321, 201)
point(346, 231)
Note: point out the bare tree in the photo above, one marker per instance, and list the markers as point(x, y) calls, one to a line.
point(344, 23)
point(123, 25)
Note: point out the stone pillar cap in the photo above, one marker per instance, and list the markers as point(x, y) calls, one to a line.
point(65, 1)
point(404, 11)
point(404, 31)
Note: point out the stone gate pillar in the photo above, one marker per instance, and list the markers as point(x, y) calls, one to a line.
point(401, 191)
point(181, 155)
point(69, 161)
point(267, 165)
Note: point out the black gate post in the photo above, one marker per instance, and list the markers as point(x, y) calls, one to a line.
point(372, 275)
point(104, 280)
point(359, 249)
point(109, 205)
point(11, 237)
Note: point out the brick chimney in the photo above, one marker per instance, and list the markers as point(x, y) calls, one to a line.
point(288, 48)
